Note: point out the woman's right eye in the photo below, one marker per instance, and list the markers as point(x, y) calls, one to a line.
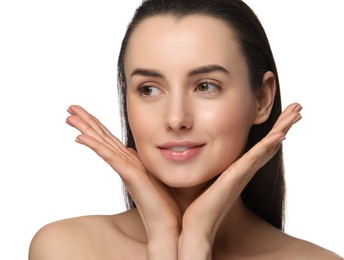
point(149, 91)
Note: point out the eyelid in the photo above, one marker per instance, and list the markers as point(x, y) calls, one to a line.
point(146, 85)
point(211, 81)
point(216, 83)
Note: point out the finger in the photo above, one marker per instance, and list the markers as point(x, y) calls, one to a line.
point(132, 172)
point(213, 205)
point(258, 155)
point(292, 108)
point(264, 150)
point(289, 108)
point(147, 196)
point(90, 119)
point(218, 199)
point(150, 196)
point(94, 127)
point(289, 117)
point(160, 187)
point(240, 172)
point(125, 167)
point(83, 127)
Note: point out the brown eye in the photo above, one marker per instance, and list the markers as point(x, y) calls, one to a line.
point(149, 91)
point(207, 87)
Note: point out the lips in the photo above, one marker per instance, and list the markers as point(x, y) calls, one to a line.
point(180, 151)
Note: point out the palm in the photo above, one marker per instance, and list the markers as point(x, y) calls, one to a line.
point(157, 207)
point(209, 209)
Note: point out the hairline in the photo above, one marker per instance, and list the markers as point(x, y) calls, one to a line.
point(178, 17)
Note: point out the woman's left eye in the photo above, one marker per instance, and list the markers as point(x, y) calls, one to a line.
point(207, 86)
point(149, 91)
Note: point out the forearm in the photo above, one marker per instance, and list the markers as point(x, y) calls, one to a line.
point(192, 246)
point(164, 247)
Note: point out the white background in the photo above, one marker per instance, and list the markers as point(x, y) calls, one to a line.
point(57, 53)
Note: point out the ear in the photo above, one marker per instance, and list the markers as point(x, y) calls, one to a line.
point(265, 98)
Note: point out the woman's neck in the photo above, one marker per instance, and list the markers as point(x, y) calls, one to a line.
point(237, 228)
point(185, 196)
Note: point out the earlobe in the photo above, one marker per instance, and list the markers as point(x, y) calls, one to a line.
point(265, 98)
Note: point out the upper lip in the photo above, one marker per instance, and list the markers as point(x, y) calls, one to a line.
point(188, 144)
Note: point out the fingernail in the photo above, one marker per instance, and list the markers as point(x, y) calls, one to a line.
point(298, 108)
point(68, 123)
point(70, 111)
point(78, 140)
point(297, 119)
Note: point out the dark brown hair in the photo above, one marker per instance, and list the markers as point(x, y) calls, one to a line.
point(265, 193)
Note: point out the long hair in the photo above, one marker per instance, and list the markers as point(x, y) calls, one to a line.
point(265, 193)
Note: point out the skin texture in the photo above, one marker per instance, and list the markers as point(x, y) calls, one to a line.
point(190, 208)
point(179, 111)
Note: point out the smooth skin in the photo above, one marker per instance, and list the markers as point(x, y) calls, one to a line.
point(189, 85)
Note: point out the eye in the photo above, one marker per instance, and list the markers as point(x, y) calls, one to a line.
point(207, 86)
point(149, 91)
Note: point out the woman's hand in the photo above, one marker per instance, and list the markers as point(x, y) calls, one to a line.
point(203, 217)
point(158, 210)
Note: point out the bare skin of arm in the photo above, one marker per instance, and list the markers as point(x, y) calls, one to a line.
point(163, 230)
point(173, 234)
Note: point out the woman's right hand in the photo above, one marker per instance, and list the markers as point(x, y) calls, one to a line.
point(159, 211)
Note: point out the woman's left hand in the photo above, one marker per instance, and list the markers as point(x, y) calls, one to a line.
point(203, 217)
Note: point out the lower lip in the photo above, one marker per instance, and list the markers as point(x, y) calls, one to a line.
point(182, 156)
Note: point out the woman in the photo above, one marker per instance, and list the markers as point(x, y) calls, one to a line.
point(202, 159)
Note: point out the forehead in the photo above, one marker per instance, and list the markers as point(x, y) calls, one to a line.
point(191, 41)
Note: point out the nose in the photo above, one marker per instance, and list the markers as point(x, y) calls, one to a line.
point(178, 116)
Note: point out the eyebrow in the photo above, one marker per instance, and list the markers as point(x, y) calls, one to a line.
point(207, 69)
point(146, 73)
point(200, 70)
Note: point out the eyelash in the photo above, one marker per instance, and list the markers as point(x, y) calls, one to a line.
point(208, 92)
point(143, 88)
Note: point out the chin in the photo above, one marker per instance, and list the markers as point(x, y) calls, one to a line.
point(183, 181)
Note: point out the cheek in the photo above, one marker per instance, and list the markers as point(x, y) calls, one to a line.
point(144, 122)
point(136, 122)
point(229, 127)
point(145, 126)
point(231, 134)
point(229, 118)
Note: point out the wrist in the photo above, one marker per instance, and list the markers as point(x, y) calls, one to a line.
point(164, 246)
point(194, 246)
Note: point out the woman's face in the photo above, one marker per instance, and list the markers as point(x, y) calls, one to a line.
point(190, 105)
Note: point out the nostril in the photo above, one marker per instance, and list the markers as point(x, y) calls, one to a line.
point(184, 127)
point(181, 121)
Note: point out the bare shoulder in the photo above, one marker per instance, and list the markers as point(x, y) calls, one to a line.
point(269, 242)
point(88, 237)
point(301, 249)
point(52, 241)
